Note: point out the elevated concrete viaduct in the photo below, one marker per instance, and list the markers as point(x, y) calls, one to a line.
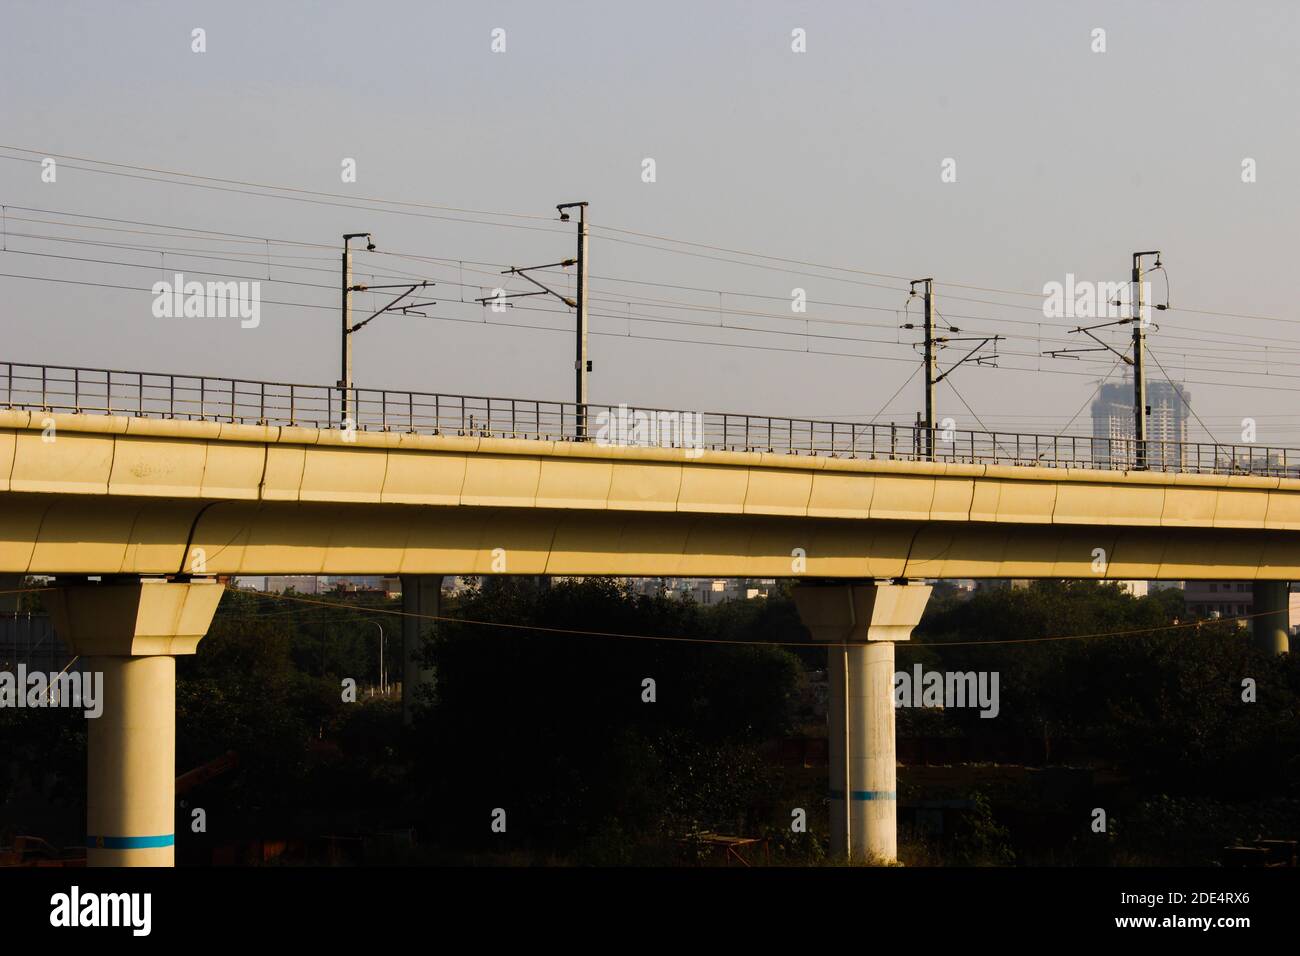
point(156, 509)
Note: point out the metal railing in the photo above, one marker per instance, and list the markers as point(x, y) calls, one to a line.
point(56, 389)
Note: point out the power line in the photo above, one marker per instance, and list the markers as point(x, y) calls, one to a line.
point(1087, 401)
point(535, 328)
point(645, 302)
point(211, 183)
point(448, 261)
point(640, 337)
point(1186, 405)
point(906, 382)
point(755, 255)
point(241, 182)
point(542, 629)
point(115, 168)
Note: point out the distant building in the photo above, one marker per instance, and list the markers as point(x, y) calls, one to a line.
point(1135, 588)
point(321, 584)
point(704, 590)
point(389, 586)
point(301, 583)
point(1220, 599)
point(1166, 586)
point(1233, 599)
point(1113, 428)
point(700, 590)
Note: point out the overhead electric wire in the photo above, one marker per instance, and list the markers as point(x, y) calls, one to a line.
point(755, 255)
point(673, 639)
point(642, 302)
point(272, 191)
point(497, 324)
point(1187, 405)
point(1088, 401)
point(623, 317)
point(734, 293)
point(906, 382)
point(301, 198)
point(632, 335)
point(241, 182)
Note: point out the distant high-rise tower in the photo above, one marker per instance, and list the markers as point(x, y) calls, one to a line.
point(1113, 431)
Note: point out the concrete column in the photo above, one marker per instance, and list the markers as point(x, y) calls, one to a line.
point(1271, 625)
point(860, 623)
point(130, 633)
point(131, 764)
point(421, 595)
point(837, 657)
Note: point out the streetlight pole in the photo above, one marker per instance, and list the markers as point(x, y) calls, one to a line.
point(383, 683)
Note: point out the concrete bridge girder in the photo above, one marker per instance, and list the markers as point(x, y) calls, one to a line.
point(51, 534)
point(117, 494)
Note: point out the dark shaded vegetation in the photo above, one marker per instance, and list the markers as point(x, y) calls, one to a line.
point(552, 728)
point(1164, 705)
point(1182, 764)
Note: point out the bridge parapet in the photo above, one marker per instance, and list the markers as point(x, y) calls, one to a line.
point(115, 392)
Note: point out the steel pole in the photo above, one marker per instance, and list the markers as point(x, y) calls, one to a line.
point(1139, 371)
point(581, 362)
point(929, 370)
point(345, 372)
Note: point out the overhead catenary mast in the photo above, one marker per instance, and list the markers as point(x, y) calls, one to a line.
point(930, 349)
point(581, 363)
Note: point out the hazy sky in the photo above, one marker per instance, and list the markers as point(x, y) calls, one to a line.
point(1067, 161)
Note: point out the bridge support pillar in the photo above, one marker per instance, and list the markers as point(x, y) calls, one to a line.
point(1271, 625)
point(421, 601)
point(131, 633)
point(860, 623)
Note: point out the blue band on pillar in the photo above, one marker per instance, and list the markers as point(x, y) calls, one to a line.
point(130, 843)
point(866, 794)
